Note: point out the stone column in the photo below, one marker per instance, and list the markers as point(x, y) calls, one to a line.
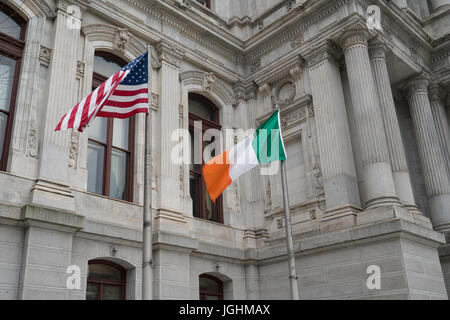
point(378, 185)
point(440, 119)
point(399, 165)
point(169, 172)
point(335, 148)
point(433, 163)
point(52, 185)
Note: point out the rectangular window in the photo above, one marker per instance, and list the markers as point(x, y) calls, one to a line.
point(206, 3)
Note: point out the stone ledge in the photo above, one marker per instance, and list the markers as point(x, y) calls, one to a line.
point(51, 217)
point(385, 229)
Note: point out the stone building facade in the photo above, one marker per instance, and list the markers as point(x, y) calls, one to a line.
point(364, 98)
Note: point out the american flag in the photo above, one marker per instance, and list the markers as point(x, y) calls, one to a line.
point(123, 95)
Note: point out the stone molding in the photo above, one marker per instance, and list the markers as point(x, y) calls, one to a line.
point(327, 51)
point(169, 53)
point(120, 38)
point(217, 86)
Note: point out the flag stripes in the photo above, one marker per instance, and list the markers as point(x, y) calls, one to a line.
point(123, 95)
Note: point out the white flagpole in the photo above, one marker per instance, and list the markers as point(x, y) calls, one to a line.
point(293, 279)
point(147, 252)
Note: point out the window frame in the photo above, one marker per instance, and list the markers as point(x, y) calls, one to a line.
point(12, 48)
point(207, 124)
point(203, 293)
point(97, 80)
point(122, 284)
point(206, 5)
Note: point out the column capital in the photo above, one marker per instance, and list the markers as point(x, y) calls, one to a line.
point(68, 6)
point(417, 85)
point(356, 35)
point(265, 89)
point(321, 52)
point(378, 49)
point(169, 53)
point(436, 93)
point(245, 90)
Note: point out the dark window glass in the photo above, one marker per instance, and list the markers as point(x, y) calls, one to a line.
point(8, 25)
point(12, 35)
point(203, 110)
point(111, 143)
point(106, 281)
point(206, 3)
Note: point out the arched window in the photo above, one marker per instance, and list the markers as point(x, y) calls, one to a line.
point(106, 281)
point(111, 142)
point(204, 111)
point(211, 288)
point(12, 43)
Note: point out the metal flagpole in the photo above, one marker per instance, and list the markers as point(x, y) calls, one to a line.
point(147, 252)
point(290, 243)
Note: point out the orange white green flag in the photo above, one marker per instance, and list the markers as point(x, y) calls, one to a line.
point(263, 147)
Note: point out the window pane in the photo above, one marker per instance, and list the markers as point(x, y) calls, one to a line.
point(106, 66)
point(97, 129)
point(7, 67)
point(118, 181)
point(96, 160)
point(210, 208)
point(9, 26)
point(92, 291)
point(201, 110)
point(121, 133)
point(209, 285)
point(3, 123)
point(212, 298)
point(111, 292)
point(104, 272)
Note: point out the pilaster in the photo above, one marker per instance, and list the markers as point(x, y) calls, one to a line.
point(335, 148)
point(169, 113)
point(378, 184)
point(52, 186)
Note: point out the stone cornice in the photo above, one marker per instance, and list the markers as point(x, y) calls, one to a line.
point(277, 71)
point(289, 28)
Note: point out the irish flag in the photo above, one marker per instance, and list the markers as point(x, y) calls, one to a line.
point(263, 147)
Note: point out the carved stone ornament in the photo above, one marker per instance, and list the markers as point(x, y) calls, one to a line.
point(169, 53)
point(268, 198)
point(121, 39)
point(45, 54)
point(356, 36)
point(33, 143)
point(73, 152)
point(265, 89)
point(80, 69)
point(209, 81)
